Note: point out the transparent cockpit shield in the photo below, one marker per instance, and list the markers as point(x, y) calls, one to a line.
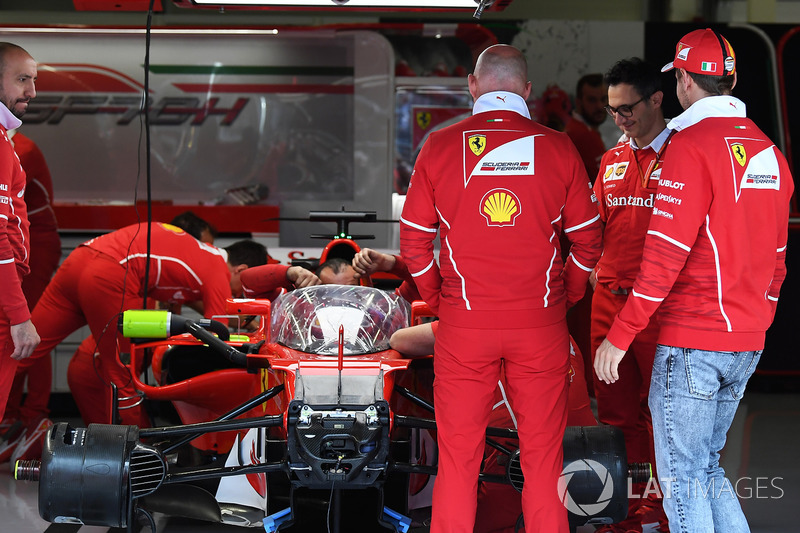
point(309, 319)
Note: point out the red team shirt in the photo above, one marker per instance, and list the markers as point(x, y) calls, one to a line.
point(626, 189)
point(265, 281)
point(544, 190)
point(14, 228)
point(724, 191)
point(182, 269)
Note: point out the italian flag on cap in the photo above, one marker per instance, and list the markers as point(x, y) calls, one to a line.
point(707, 66)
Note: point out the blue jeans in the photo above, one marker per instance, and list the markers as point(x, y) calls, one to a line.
point(694, 395)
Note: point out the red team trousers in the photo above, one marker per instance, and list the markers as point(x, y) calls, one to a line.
point(45, 255)
point(8, 366)
point(467, 366)
point(616, 404)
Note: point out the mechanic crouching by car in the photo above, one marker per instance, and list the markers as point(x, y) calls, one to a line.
point(105, 276)
point(501, 290)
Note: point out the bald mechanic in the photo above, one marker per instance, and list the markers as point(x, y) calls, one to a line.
point(499, 189)
point(105, 276)
point(18, 336)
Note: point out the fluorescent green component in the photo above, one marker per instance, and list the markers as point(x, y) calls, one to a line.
point(146, 323)
point(239, 338)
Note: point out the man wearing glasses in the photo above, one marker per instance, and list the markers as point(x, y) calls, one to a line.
point(625, 188)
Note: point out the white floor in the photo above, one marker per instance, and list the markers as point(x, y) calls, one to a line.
point(762, 459)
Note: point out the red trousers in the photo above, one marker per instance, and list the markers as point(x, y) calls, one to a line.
point(8, 366)
point(579, 322)
point(499, 505)
point(579, 404)
point(624, 404)
point(467, 366)
point(91, 288)
point(44, 258)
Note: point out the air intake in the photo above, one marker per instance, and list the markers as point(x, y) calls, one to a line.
point(147, 470)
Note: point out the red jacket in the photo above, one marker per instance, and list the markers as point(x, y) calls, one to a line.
point(14, 228)
point(408, 289)
point(265, 281)
point(500, 189)
point(625, 189)
point(714, 256)
point(182, 269)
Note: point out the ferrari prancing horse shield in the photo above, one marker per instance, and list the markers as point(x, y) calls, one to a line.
point(477, 143)
point(739, 153)
point(423, 119)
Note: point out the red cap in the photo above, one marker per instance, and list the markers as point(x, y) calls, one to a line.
point(704, 52)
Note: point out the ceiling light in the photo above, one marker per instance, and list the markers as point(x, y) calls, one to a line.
point(376, 4)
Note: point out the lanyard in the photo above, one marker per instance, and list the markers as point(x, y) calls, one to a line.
point(645, 177)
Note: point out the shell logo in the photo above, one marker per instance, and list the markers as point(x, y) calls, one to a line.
point(500, 207)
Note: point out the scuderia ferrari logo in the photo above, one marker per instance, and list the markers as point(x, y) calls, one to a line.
point(477, 143)
point(737, 149)
point(758, 165)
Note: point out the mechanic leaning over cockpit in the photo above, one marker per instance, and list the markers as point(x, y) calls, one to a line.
point(105, 276)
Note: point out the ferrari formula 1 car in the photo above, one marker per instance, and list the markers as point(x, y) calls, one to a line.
point(310, 407)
